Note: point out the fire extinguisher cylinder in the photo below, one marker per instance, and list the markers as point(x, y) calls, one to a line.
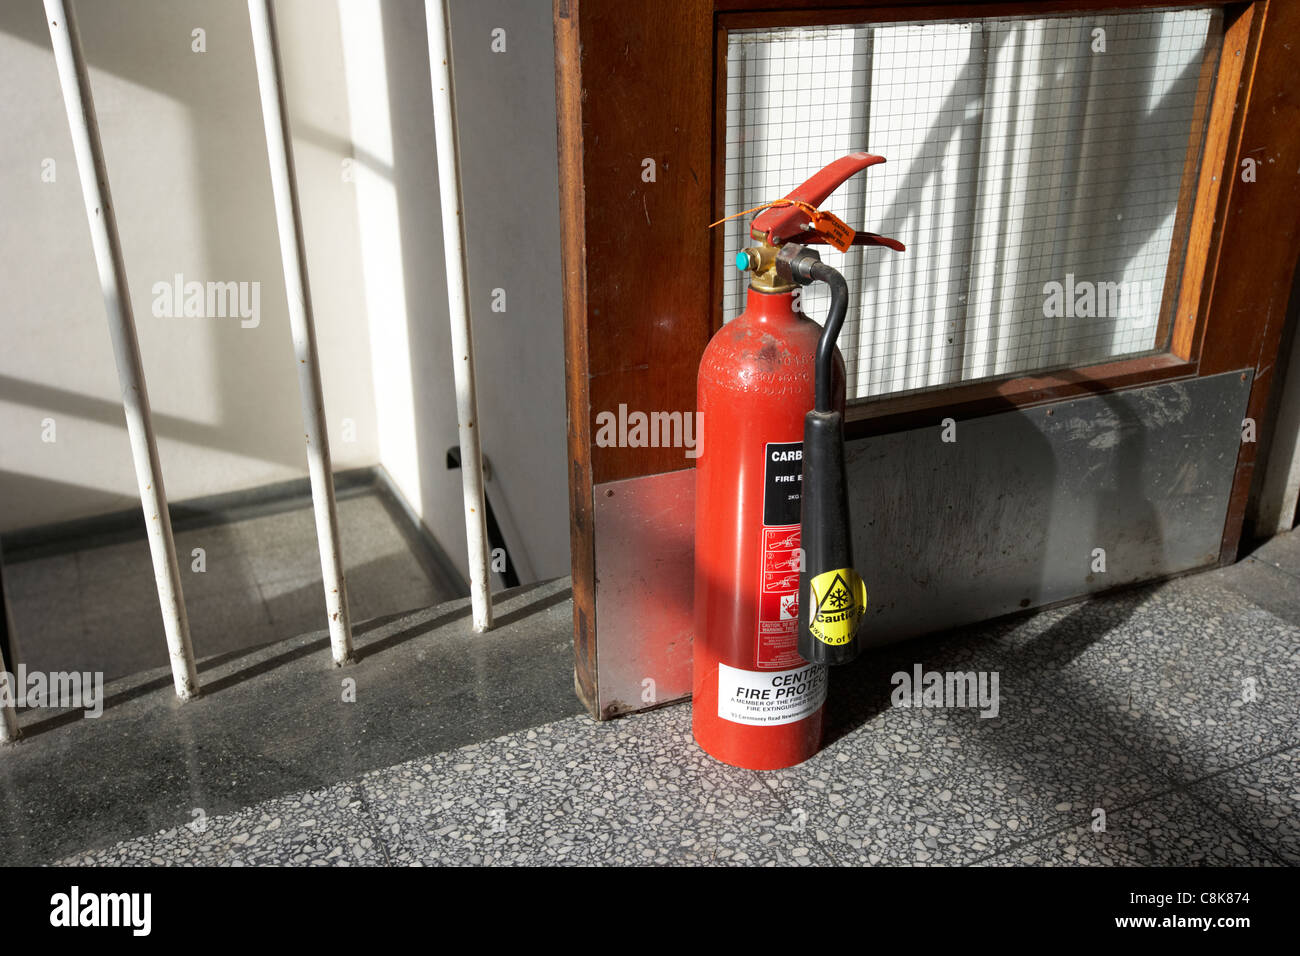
point(771, 501)
point(756, 703)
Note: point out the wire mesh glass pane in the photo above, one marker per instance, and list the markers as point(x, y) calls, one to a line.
point(1034, 168)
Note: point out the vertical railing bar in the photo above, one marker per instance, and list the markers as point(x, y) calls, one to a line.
point(8, 693)
point(75, 82)
point(9, 730)
point(8, 716)
point(438, 20)
point(293, 254)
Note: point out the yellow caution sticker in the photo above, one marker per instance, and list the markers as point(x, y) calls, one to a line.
point(840, 599)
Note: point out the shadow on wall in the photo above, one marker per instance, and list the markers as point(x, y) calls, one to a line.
point(211, 222)
point(1103, 223)
point(1006, 499)
point(506, 120)
point(985, 504)
point(227, 409)
point(414, 179)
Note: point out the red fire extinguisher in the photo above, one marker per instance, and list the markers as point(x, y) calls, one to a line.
point(776, 598)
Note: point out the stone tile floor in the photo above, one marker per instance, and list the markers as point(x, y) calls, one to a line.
point(96, 608)
point(1155, 726)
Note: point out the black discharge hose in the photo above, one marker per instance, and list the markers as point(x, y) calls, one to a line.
point(832, 597)
point(825, 368)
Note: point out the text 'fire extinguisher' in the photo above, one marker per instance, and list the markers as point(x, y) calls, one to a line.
point(776, 594)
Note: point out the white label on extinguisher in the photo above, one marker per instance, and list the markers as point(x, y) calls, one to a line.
point(767, 698)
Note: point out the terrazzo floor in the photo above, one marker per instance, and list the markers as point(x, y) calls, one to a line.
point(1156, 726)
point(96, 608)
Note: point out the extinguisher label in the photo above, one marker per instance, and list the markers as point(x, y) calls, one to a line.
point(765, 699)
point(782, 483)
point(777, 644)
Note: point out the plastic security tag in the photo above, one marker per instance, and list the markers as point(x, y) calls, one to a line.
point(835, 229)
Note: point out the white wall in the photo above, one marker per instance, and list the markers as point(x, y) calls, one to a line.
point(183, 138)
point(506, 111)
point(187, 163)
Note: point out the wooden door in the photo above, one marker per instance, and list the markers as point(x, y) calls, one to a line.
point(642, 94)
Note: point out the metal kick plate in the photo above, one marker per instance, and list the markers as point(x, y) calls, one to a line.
point(1009, 515)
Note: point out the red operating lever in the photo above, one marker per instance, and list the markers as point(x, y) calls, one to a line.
point(781, 224)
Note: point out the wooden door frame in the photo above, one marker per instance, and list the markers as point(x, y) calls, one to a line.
point(636, 82)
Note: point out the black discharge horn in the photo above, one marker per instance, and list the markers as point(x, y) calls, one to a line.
point(832, 597)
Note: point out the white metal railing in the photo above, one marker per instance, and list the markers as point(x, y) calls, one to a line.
point(438, 19)
point(8, 693)
point(75, 83)
point(8, 713)
point(80, 104)
point(293, 253)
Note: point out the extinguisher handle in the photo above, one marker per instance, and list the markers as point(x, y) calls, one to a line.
point(774, 226)
point(859, 239)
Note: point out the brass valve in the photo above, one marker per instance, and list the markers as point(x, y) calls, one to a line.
point(761, 261)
